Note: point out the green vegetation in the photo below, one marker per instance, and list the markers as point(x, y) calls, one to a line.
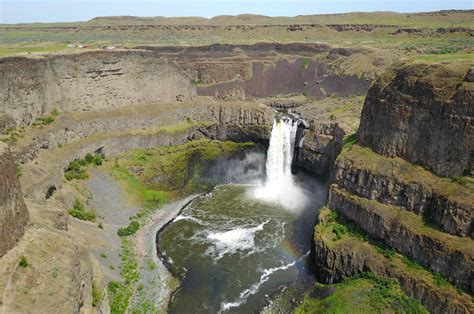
point(440, 280)
point(79, 212)
point(43, 120)
point(197, 81)
point(164, 170)
point(149, 197)
point(396, 263)
point(23, 262)
point(365, 294)
point(130, 229)
point(75, 170)
point(306, 63)
point(120, 293)
point(349, 141)
point(341, 227)
point(97, 295)
point(13, 134)
point(103, 255)
point(460, 180)
point(386, 251)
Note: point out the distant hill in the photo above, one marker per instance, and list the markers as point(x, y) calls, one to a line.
point(446, 18)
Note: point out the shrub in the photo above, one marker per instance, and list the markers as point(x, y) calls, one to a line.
point(103, 255)
point(130, 229)
point(339, 231)
point(78, 211)
point(23, 262)
point(44, 120)
point(74, 169)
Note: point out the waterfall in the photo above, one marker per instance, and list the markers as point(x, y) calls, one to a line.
point(280, 151)
point(279, 186)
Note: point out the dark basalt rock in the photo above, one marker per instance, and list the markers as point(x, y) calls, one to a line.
point(424, 114)
point(13, 212)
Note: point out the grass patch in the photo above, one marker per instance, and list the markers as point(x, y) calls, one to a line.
point(75, 168)
point(121, 292)
point(149, 197)
point(341, 227)
point(103, 255)
point(365, 294)
point(440, 280)
point(349, 141)
point(154, 174)
point(386, 251)
point(23, 262)
point(78, 211)
point(97, 295)
point(460, 180)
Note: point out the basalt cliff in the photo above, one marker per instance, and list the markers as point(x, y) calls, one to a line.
point(401, 186)
point(401, 201)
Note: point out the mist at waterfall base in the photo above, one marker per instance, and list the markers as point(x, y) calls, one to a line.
point(280, 186)
point(242, 242)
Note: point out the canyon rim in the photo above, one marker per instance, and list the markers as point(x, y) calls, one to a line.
point(238, 164)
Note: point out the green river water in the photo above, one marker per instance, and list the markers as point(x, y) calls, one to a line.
point(232, 250)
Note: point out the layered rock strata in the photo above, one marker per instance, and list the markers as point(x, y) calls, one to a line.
point(13, 212)
point(423, 113)
point(419, 225)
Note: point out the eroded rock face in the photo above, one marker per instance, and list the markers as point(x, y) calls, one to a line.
point(450, 256)
point(13, 212)
point(424, 114)
point(87, 82)
point(452, 216)
point(336, 262)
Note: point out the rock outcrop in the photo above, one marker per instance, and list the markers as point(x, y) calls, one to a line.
point(453, 257)
point(336, 259)
point(423, 113)
point(13, 212)
point(392, 211)
point(31, 88)
point(393, 181)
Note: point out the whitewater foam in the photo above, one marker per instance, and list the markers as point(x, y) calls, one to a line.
point(254, 288)
point(233, 241)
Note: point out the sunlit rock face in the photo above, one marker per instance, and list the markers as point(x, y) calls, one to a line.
point(422, 113)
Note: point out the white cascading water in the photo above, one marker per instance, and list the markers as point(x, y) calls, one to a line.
point(280, 186)
point(280, 151)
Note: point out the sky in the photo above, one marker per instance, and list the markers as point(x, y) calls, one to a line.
point(27, 11)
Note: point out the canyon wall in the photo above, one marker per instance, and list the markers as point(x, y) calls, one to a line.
point(13, 212)
point(397, 219)
point(91, 81)
point(423, 113)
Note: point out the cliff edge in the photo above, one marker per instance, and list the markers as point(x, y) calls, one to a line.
point(424, 114)
point(13, 212)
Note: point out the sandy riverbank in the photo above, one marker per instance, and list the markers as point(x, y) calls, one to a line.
point(158, 281)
